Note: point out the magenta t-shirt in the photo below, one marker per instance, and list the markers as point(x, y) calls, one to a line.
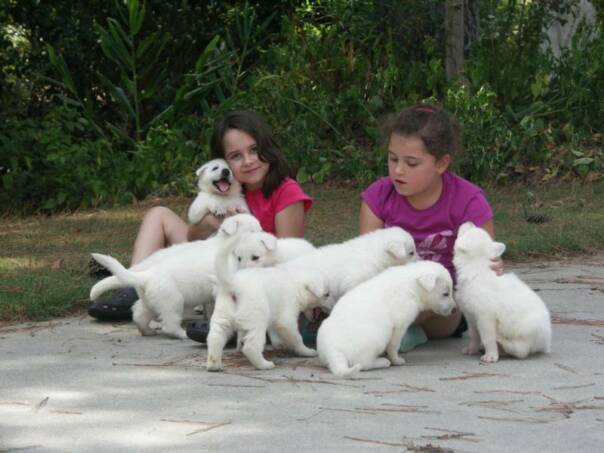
point(265, 209)
point(435, 228)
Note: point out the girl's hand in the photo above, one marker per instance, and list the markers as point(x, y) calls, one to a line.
point(233, 210)
point(497, 265)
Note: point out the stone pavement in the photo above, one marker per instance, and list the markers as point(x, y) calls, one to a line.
point(82, 386)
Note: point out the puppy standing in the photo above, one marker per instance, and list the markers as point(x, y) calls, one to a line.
point(182, 277)
point(338, 267)
point(219, 192)
point(373, 317)
point(252, 301)
point(500, 309)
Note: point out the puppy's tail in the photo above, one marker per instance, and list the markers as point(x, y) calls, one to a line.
point(225, 270)
point(123, 275)
point(105, 285)
point(338, 365)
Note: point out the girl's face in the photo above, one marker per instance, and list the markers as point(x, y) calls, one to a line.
point(416, 174)
point(242, 156)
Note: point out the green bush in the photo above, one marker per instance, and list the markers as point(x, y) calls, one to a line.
point(54, 164)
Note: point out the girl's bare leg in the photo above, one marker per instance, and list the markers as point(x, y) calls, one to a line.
point(436, 326)
point(160, 228)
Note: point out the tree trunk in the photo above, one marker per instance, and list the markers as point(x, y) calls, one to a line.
point(454, 32)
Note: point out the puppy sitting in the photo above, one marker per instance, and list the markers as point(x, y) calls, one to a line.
point(253, 301)
point(179, 277)
point(219, 192)
point(373, 317)
point(499, 309)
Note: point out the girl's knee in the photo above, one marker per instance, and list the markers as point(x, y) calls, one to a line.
point(438, 327)
point(157, 213)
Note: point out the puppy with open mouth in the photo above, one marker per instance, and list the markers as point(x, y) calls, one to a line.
point(219, 192)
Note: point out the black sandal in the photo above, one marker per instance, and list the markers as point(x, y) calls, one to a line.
point(116, 308)
point(198, 331)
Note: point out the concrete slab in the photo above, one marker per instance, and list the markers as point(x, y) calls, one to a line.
point(78, 385)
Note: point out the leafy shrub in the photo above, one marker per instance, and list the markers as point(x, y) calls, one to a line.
point(53, 164)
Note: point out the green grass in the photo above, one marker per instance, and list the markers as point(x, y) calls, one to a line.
point(44, 260)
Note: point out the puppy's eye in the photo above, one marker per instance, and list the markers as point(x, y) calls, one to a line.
point(215, 168)
point(255, 258)
point(412, 253)
point(446, 294)
point(239, 259)
point(326, 295)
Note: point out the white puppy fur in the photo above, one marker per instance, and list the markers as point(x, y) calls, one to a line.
point(219, 191)
point(373, 317)
point(179, 277)
point(253, 301)
point(264, 249)
point(499, 309)
point(338, 267)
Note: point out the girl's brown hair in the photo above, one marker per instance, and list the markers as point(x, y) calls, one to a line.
point(440, 132)
point(268, 150)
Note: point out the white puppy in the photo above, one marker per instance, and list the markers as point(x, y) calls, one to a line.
point(373, 317)
point(181, 276)
point(219, 191)
point(349, 263)
point(264, 249)
point(253, 301)
point(499, 309)
point(336, 267)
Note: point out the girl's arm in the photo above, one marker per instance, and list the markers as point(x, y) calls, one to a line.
point(489, 228)
point(289, 222)
point(204, 228)
point(368, 220)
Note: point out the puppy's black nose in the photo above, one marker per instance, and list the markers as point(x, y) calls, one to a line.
point(226, 172)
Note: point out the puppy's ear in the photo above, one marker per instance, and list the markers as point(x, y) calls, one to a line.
point(230, 226)
point(201, 169)
point(316, 286)
point(269, 241)
point(397, 249)
point(498, 248)
point(465, 227)
point(427, 281)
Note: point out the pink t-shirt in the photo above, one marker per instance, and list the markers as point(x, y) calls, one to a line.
point(265, 209)
point(435, 228)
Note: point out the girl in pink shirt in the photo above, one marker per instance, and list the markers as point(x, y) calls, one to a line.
point(246, 142)
point(423, 197)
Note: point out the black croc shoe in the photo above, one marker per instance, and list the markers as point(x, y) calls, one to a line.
point(198, 331)
point(116, 308)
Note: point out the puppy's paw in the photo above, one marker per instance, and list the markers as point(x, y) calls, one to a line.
point(219, 211)
point(307, 352)
point(397, 360)
point(214, 366)
point(471, 349)
point(267, 365)
point(490, 357)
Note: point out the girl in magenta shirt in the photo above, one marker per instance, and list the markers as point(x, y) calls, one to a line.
point(246, 142)
point(423, 197)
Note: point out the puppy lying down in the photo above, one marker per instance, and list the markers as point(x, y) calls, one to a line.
point(500, 310)
point(373, 317)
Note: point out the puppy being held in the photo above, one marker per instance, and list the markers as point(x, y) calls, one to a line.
point(254, 301)
point(219, 192)
point(500, 310)
point(373, 317)
point(172, 279)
